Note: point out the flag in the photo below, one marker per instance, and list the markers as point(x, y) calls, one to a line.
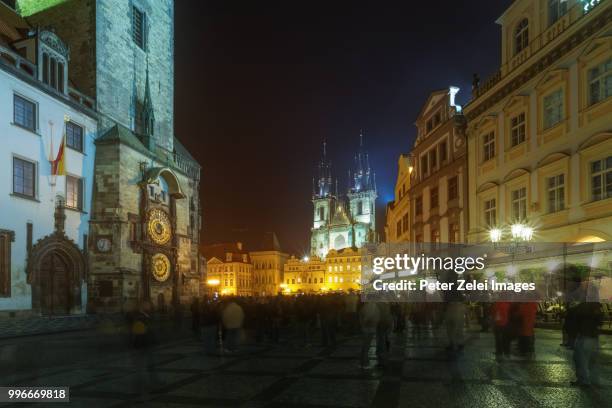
point(58, 167)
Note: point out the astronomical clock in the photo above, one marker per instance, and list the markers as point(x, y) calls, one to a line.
point(159, 245)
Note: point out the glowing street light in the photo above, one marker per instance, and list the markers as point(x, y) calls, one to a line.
point(495, 234)
point(213, 282)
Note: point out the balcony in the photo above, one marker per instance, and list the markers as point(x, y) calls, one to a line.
point(543, 43)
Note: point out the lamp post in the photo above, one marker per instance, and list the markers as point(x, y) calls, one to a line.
point(519, 233)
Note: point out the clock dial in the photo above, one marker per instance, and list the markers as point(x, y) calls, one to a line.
point(103, 244)
point(160, 267)
point(159, 226)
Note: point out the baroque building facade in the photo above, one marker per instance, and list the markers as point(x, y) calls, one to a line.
point(339, 271)
point(539, 134)
point(229, 270)
point(397, 214)
point(438, 186)
point(145, 216)
point(44, 121)
point(343, 222)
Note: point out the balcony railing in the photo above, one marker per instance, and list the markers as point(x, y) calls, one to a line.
point(21, 65)
point(574, 15)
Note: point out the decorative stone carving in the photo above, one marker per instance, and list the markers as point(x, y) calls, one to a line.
point(51, 40)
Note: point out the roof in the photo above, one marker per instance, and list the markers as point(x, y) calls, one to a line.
point(220, 251)
point(181, 150)
point(270, 242)
point(119, 133)
point(12, 26)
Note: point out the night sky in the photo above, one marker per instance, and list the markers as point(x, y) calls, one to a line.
point(260, 84)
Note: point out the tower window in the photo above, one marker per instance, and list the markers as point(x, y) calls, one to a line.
point(139, 27)
point(359, 207)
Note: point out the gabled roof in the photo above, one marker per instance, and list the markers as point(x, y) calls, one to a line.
point(433, 99)
point(219, 251)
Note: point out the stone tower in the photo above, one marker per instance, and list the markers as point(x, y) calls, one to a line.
point(145, 221)
point(362, 196)
point(323, 201)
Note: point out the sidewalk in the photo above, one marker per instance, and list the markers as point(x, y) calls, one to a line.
point(18, 327)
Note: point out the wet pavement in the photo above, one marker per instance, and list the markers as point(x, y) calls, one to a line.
point(102, 372)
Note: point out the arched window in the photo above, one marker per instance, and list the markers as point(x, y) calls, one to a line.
point(521, 36)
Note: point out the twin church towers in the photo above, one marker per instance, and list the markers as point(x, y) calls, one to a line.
point(343, 221)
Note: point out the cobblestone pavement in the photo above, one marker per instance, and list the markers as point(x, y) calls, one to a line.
point(103, 373)
point(14, 327)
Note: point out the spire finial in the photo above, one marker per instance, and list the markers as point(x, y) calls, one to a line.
point(361, 137)
point(324, 148)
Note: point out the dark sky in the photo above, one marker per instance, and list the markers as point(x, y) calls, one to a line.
point(260, 84)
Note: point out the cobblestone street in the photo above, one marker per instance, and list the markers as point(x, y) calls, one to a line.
point(101, 372)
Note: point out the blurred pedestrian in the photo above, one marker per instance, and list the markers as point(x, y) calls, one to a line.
point(589, 318)
point(383, 329)
point(195, 316)
point(526, 335)
point(232, 318)
point(369, 317)
point(500, 311)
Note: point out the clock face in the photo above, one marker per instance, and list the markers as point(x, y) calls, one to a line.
point(159, 226)
point(103, 244)
point(160, 267)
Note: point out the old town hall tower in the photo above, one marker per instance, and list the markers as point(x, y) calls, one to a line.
point(145, 221)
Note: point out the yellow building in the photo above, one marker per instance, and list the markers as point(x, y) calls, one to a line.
point(540, 129)
point(229, 270)
point(339, 271)
point(268, 265)
point(398, 210)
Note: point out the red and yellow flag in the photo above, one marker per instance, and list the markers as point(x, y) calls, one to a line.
point(58, 167)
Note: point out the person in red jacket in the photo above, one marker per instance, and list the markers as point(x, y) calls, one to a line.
point(500, 313)
point(526, 339)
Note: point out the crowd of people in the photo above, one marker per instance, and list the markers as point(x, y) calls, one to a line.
point(221, 324)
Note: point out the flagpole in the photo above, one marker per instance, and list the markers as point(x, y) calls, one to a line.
point(52, 162)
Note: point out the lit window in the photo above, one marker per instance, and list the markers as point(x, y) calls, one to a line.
point(74, 192)
point(24, 178)
point(24, 113)
point(553, 108)
point(521, 36)
point(518, 129)
point(490, 213)
point(600, 82)
point(556, 193)
point(519, 204)
point(74, 136)
point(488, 144)
point(601, 179)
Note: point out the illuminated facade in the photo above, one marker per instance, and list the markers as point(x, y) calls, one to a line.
point(438, 188)
point(343, 222)
point(229, 270)
point(539, 135)
point(268, 264)
point(397, 217)
point(339, 271)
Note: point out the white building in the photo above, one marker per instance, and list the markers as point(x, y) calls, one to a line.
point(44, 219)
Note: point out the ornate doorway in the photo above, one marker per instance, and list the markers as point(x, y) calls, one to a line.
point(55, 285)
point(56, 270)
